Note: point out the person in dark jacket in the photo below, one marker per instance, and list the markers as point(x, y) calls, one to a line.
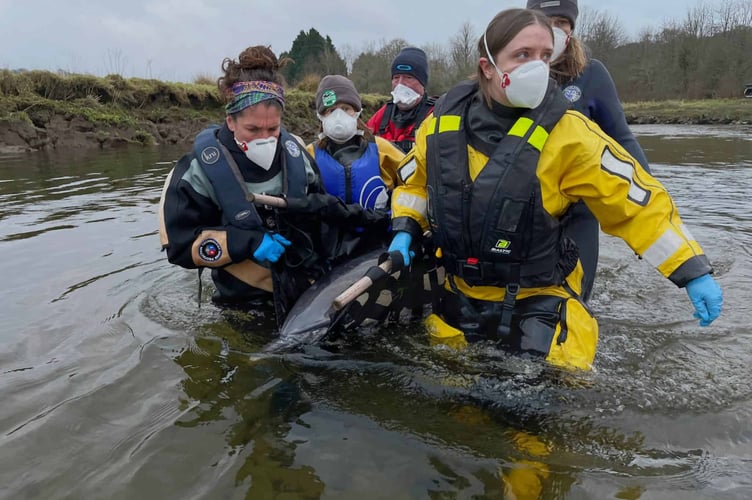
point(208, 218)
point(587, 84)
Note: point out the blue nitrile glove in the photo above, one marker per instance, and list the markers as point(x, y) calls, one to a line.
point(707, 298)
point(271, 248)
point(401, 243)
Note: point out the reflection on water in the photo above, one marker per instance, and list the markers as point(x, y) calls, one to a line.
point(117, 383)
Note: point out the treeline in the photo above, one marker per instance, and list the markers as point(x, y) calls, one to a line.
point(706, 54)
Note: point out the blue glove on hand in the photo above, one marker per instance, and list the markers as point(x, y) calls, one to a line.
point(271, 248)
point(401, 243)
point(707, 298)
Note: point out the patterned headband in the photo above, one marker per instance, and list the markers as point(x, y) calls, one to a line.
point(245, 94)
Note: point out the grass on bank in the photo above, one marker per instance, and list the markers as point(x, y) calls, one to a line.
point(111, 100)
point(706, 111)
point(114, 101)
point(37, 96)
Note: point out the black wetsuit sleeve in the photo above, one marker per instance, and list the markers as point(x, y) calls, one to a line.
point(409, 225)
point(187, 213)
point(606, 110)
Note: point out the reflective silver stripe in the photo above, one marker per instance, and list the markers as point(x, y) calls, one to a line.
point(407, 170)
point(624, 170)
point(663, 248)
point(687, 234)
point(405, 200)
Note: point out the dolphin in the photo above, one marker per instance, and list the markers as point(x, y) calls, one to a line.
point(313, 315)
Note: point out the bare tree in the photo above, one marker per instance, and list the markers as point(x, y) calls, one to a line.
point(463, 50)
point(725, 19)
point(114, 62)
point(744, 12)
point(699, 21)
point(439, 64)
point(349, 53)
point(600, 31)
point(699, 54)
point(370, 70)
point(390, 49)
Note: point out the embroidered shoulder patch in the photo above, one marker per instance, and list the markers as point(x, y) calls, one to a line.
point(572, 93)
point(210, 250)
point(292, 148)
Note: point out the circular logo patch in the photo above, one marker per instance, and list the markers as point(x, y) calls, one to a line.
point(292, 148)
point(572, 93)
point(403, 67)
point(329, 98)
point(209, 250)
point(210, 155)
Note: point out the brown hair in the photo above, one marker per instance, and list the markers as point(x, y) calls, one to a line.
point(500, 31)
point(254, 63)
point(571, 64)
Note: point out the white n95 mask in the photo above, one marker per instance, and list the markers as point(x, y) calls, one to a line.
point(260, 151)
point(402, 94)
point(339, 126)
point(525, 86)
point(561, 40)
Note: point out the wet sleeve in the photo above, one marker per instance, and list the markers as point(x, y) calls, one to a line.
point(409, 199)
point(390, 158)
point(627, 201)
point(608, 112)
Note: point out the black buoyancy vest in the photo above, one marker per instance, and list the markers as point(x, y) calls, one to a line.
point(230, 188)
point(494, 230)
point(425, 107)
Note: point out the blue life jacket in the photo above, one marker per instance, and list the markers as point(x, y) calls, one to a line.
point(232, 193)
point(359, 183)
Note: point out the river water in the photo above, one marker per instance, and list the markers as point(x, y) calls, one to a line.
point(115, 384)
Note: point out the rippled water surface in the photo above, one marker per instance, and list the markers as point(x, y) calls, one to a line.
point(115, 383)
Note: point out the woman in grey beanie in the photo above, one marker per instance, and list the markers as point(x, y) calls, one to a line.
point(355, 166)
point(587, 84)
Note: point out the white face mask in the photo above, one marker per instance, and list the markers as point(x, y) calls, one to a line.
point(339, 126)
point(561, 40)
point(402, 94)
point(260, 151)
point(525, 86)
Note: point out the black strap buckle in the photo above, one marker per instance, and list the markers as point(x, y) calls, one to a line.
point(470, 269)
point(507, 307)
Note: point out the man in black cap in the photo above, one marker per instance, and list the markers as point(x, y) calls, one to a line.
point(398, 119)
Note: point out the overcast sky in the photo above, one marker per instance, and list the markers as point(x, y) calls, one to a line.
point(180, 39)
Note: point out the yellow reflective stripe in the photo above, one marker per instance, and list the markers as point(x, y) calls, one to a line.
point(520, 127)
point(538, 138)
point(431, 125)
point(449, 123)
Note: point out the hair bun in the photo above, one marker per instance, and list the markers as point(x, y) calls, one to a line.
point(258, 57)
